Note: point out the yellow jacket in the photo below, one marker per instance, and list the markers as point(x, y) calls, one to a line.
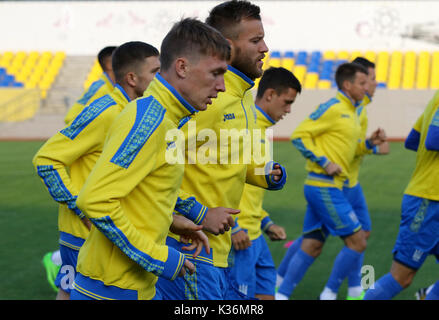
point(130, 195)
point(96, 90)
point(253, 217)
point(217, 180)
point(67, 158)
point(330, 134)
point(424, 139)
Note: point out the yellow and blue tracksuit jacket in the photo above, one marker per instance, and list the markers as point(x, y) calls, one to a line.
point(253, 217)
point(330, 134)
point(66, 159)
point(97, 89)
point(424, 139)
point(219, 182)
point(129, 196)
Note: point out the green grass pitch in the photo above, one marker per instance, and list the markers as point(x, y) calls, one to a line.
point(28, 220)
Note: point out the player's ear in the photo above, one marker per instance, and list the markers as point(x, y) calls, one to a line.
point(131, 79)
point(268, 94)
point(181, 67)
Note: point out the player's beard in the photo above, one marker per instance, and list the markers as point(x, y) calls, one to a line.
point(246, 65)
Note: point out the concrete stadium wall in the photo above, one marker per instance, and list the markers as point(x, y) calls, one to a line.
point(83, 28)
point(393, 110)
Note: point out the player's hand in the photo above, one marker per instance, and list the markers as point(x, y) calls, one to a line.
point(384, 148)
point(219, 220)
point(187, 267)
point(333, 169)
point(276, 233)
point(240, 240)
point(276, 172)
point(378, 136)
point(190, 233)
point(86, 222)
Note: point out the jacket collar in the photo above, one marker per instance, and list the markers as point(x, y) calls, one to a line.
point(264, 120)
point(177, 107)
point(237, 83)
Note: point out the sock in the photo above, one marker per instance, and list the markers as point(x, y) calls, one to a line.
point(297, 268)
point(434, 292)
point(384, 289)
point(346, 261)
point(279, 280)
point(354, 277)
point(328, 294)
point(355, 291)
point(288, 255)
point(56, 258)
point(280, 296)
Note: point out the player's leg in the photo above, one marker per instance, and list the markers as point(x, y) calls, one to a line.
point(242, 269)
point(291, 251)
point(52, 263)
point(343, 222)
point(265, 272)
point(417, 238)
point(357, 199)
point(434, 292)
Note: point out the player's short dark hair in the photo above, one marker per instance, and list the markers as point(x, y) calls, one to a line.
point(279, 79)
point(364, 62)
point(190, 37)
point(225, 16)
point(104, 54)
point(347, 71)
point(129, 55)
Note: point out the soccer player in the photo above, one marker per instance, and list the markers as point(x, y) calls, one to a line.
point(98, 88)
point(354, 193)
point(253, 270)
point(67, 158)
point(105, 85)
point(218, 180)
point(131, 192)
point(418, 235)
point(328, 139)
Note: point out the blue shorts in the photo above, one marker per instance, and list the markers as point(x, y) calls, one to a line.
point(207, 283)
point(418, 234)
point(328, 209)
point(69, 249)
point(357, 200)
point(253, 270)
point(86, 288)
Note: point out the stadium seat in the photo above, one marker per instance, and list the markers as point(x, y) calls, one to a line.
point(300, 72)
point(288, 60)
point(423, 70)
point(382, 67)
point(302, 57)
point(274, 59)
point(408, 76)
point(434, 84)
point(329, 55)
point(311, 80)
point(395, 70)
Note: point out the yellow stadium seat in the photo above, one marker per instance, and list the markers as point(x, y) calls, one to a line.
point(370, 55)
point(382, 66)
point(329, 55)
point(395, 71)
point(300, 72)
point(408, 76)
point(311, 80)
point(423, 71)
point(343, 55)
point(355, 54)
point(324, 84)
point(435, 71)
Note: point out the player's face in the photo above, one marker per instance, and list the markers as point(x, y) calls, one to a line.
point(357, 88)
point(281, 104)
point(371, 82)
point(146, 73)
point(205, 78)
point(249, 48)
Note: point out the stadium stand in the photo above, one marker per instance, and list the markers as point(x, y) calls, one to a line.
point(394, 69)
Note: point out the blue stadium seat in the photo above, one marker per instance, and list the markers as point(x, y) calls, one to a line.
point(302, 57)
point(289, 54)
